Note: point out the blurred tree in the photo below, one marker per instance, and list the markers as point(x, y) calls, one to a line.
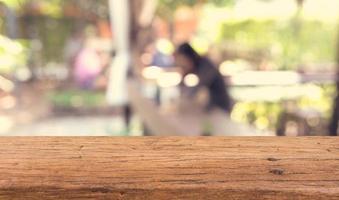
point(10, 20)
point(167, 8)
point(333, 127)
point(170, 5)
point(13, 3)
point(45, 25)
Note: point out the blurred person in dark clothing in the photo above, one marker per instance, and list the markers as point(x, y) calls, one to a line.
point(209, 76)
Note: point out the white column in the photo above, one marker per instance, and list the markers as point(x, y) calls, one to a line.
point(117, 86)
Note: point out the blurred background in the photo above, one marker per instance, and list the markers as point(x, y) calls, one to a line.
point(106, 67)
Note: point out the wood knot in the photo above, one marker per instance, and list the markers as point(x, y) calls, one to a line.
point(277, 171)
point(100, 190)
point(273, 159)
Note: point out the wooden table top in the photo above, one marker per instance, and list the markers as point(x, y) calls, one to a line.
point(169, 168)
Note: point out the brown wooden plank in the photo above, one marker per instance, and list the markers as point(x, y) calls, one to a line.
point(169, 168)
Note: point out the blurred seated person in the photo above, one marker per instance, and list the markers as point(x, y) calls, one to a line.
point(190, 62)
point(90, 66)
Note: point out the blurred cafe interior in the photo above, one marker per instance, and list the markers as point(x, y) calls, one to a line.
point(169, 67)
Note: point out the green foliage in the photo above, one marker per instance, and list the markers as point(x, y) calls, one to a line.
point(77, 98)
point(13, 3)
point(312, 42)
point(49, 7)
point(166, 8)
point(12, 54)
point(54, 33)
point(53, 8)
point(52, 28)
point(176, 3)
point(265, 115)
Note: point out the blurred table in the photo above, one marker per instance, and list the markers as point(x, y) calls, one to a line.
point(188, 120)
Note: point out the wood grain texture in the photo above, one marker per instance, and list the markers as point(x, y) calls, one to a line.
point(169, 168)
